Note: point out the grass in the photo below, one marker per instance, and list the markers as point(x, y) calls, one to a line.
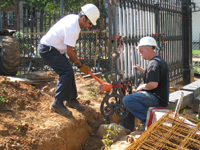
point(2, 100)
point(195, 52)
point(196, 69)
point(195, 66)
point(108, 136)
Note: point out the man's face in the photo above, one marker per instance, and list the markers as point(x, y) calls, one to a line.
point(143, 52)
point(86, 23)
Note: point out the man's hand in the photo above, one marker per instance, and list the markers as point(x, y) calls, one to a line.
point(84, 68)
point(139, 68)
point(75, 51)
point(147, 86)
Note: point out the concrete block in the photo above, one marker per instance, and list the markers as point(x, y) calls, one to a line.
point(154, 114)
point(194, 87)
point(195, 107)
point(188, 99)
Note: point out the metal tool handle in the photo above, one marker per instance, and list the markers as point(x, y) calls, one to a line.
point(178, 105)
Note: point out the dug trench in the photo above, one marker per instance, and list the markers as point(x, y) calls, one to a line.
point(26, 122)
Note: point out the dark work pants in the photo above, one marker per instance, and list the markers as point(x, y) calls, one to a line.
point(66, 87)
point(138, 105)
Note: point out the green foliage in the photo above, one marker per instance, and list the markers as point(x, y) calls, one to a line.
point(103, 78)
point(109, 134)
point(53, 6)
point(94, 94)
point(23, 44)
point(85, 96)
point(195, 52)
point(6, 3)
point(3, 90)
point(184, 110)
point(18, 73)
point(17, 128)
point(39, 5)
point(2, 100)
point(74, 5)
point(196, 69)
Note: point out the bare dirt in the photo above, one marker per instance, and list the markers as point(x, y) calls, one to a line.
point(26, 122)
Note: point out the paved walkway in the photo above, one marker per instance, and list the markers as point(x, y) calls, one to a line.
point(195, 59)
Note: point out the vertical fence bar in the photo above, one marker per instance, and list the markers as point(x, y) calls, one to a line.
point(187, 49)
point(128, 40)
point(125, 39)
point(121, 34)
point(131, 38)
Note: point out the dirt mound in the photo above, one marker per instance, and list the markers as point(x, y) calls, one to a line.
point(26, 121)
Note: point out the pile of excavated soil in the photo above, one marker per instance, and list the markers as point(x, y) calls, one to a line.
point(26, 122)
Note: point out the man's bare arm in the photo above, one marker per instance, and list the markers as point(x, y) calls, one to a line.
point(139, 68)
point(73, 57)
point(147, 86)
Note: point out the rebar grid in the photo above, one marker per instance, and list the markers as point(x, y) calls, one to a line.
point(168, 133)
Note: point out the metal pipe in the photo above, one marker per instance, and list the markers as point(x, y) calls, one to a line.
point(131, 36)
point(127, 52)
point(121, 33)
point(125, 44)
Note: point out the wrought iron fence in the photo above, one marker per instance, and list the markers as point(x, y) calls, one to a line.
point(128, 21)
point(110, 46)
point(135, 19)
point(32, 25)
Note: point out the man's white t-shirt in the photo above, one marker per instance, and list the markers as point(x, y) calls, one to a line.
point(64, 32)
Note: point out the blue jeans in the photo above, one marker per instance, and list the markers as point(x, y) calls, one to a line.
point(66, 87)
point(137, 105)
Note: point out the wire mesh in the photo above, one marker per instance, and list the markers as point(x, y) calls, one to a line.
point(168, 133)
point(195, 25)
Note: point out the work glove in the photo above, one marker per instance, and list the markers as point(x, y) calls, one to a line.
point(75, 51)
point(84, 68)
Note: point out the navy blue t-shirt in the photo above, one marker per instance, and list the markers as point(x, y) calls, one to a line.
point(158, 71)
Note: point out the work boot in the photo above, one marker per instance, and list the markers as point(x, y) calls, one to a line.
point(73, 103)
point(141, 128)
point(60, 109)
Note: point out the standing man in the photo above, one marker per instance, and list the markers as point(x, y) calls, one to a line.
point(154, 91)
point(60, 39)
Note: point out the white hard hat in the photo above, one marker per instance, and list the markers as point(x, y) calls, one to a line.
point(92, 12)
point(147, 41)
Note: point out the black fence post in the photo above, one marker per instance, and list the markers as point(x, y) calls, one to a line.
point(157, 25)
point(188, 71)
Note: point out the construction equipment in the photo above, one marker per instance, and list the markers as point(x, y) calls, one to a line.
point(103, 86)
point(9, 53)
